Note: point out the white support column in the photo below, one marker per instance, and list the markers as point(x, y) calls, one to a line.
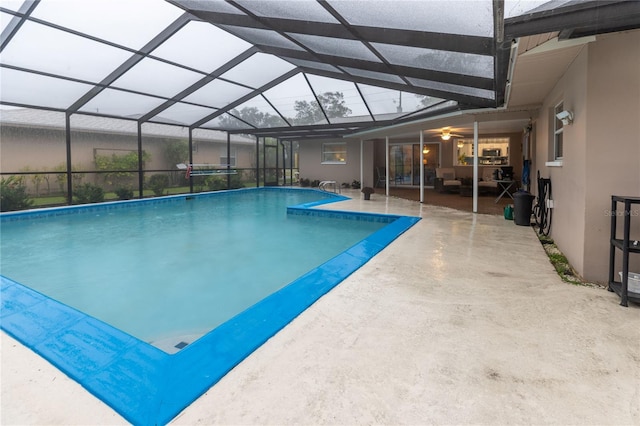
point(386, 159)
point(421, 166)
point(475, 167)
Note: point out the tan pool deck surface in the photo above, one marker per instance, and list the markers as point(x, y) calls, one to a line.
point(461, 320)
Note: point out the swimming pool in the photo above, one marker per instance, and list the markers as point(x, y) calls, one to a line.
point(145, 384)
point(169, 272)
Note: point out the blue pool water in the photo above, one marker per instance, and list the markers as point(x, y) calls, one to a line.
point(144, 384)
point(169, 272)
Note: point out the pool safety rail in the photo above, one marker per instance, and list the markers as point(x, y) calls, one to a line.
point(206, 169)
point(329, 186)
point(141, 382)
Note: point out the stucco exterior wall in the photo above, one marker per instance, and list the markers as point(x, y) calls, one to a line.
point(567, 182)
point(311, 166)
point(37, 149)
point(601, 149)
point(613, 148)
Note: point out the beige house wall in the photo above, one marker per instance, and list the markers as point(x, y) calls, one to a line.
point(613, 148)
point(311, 166)
point(568, 181)
point(36, 149)
point(601, 148)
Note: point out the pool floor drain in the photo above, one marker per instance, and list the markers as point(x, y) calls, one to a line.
point(181, 345)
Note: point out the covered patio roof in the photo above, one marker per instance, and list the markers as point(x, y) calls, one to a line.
point(294, 70)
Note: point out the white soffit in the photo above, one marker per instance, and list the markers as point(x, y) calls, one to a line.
point(555, 44)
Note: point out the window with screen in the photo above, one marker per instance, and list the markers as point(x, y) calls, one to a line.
point(224, 160)
point(334, 153)
point(557, 133)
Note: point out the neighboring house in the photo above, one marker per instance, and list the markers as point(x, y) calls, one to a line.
point(597, 78)
point(34, 141)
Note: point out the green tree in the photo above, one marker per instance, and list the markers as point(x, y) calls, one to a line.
point(13, 194)
point(88, 193)
point(36, 179)
point(251, 115)
point(61, 176)
point(176, 152)
point(333, 103)
point(118, 169)
point(310, 112)
point(158, 183)
point(426, 101)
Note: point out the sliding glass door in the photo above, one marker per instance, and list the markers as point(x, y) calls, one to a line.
point(405, 161)
point(401, 160)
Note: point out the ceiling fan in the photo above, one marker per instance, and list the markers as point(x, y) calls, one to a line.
point(446, 133)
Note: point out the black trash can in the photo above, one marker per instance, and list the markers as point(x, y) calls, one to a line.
point(522, 205)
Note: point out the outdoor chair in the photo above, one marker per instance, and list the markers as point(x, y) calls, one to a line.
point(446, 180)
point(382, 176)
point(488, 185)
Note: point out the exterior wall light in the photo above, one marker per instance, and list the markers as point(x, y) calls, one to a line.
point(565, 116)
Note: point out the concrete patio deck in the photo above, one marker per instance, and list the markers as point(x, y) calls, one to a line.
point(462, 320)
